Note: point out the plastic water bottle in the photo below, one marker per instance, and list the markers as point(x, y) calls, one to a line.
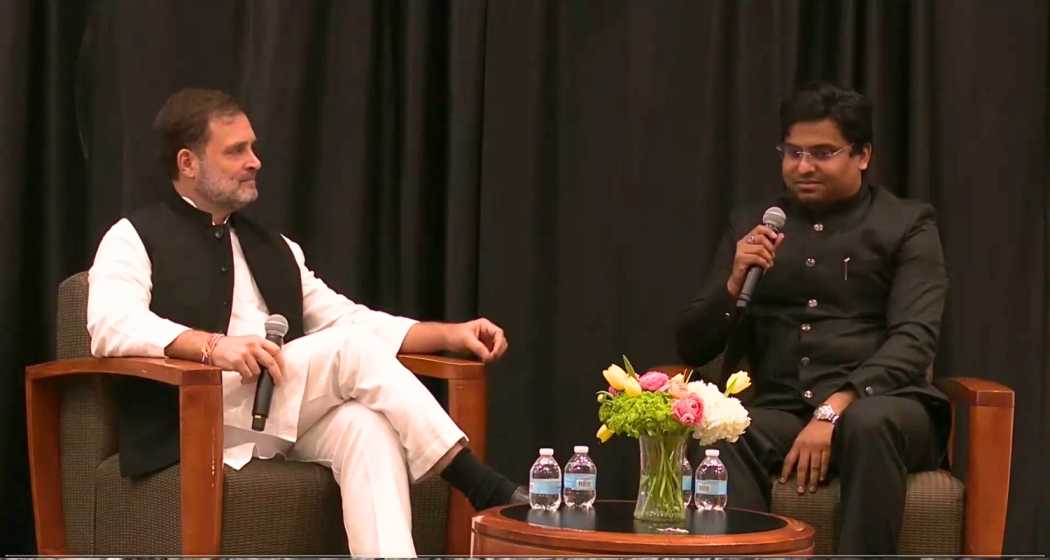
point(581, 478)
point(687, 480)
point(712, 482)
point(545, 482)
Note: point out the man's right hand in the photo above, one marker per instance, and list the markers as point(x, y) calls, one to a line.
point(247, 355)
point(757, 248)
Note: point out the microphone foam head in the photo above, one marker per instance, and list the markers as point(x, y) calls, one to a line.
point(774, 218)
point(276, 325)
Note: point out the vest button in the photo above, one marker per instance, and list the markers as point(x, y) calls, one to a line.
point(223, 269)
point(218, 233)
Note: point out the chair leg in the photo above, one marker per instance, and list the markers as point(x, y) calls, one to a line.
point(466, 407)
point(988, 479)
point(43, 402)
point(201, 474)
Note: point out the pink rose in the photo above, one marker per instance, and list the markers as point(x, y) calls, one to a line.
point(688, 410)
point(653, 380)
point(613, 391)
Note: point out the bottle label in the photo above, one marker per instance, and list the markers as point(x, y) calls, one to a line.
point(546, 486)
point(687, 483)
point(580, 481)
point(711, 487)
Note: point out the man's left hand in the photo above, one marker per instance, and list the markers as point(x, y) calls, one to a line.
point(481, 337)
point(810, 456)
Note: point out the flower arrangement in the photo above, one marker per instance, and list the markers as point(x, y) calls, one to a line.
point(661, 411)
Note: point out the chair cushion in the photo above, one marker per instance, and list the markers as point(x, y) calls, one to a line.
point(271, 507)
point(72, 339)
point(933, 513)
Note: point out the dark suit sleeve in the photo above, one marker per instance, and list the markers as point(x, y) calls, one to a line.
point(913, 313)
point(704, 325)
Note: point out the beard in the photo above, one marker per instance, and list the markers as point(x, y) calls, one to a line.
point(229, 193)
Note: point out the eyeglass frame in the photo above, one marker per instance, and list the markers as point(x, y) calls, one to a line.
point(802, 153)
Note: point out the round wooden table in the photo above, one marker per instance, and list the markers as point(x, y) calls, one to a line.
point(610, 529)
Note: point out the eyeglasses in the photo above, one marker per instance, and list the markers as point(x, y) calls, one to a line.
point(793, 153)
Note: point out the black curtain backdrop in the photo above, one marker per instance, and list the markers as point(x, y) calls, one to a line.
point(563, 168)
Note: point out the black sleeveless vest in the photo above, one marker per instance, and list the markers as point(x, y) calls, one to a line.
point(192, 275)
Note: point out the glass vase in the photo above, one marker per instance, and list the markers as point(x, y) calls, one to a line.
point(660, 479)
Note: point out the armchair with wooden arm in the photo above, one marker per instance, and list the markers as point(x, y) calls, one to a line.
point(83, 506)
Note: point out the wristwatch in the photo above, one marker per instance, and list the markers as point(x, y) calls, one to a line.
point(826, 413)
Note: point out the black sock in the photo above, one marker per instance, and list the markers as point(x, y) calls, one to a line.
point(480, 483)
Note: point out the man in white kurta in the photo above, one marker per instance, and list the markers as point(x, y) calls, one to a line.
point(341, 397)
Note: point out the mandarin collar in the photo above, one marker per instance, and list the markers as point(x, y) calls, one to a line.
point(836, 216)
point(184, 207)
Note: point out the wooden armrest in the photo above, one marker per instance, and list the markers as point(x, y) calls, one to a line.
point(164, 370)
point(671, 369)
point(976, 392)
point(442, 367)
point(991, 426)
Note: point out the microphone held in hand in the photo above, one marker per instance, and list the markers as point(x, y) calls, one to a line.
point(276, 328)
point(774, 218)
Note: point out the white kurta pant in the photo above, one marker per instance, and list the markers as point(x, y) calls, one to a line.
point(353, 407)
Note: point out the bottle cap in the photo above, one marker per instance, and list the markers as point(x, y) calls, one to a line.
point(580, 449)
point(546, 452)
point(711, 453)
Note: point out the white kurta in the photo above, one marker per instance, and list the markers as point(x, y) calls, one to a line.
point(345, 402)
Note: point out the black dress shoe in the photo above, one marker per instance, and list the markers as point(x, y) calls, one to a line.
point(520, 496)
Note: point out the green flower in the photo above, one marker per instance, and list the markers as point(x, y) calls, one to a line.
point(643, 414)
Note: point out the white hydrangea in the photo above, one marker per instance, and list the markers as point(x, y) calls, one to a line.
point(724, 417)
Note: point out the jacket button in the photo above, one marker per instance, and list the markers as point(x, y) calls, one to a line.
point(869, 390)
point(804, 361)
point(818, 227)
point(811, 262)
point(811, 303)
point(805, 327)
point(223, 269)
point(808, 394)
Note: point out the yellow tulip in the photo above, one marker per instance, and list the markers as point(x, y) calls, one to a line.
point(632, 387)
point(616, 376)
point(678, 379)
point(737, 382)
point(604, 433)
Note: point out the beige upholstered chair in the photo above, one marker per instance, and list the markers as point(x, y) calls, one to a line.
point(943, 515)
point(83, 506)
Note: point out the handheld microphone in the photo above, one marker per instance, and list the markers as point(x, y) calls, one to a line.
point(276, 328)
point(774, 218)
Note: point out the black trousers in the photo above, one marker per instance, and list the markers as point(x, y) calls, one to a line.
point(876, 443)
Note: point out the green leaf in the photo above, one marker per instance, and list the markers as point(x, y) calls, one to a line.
point(627, 366)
